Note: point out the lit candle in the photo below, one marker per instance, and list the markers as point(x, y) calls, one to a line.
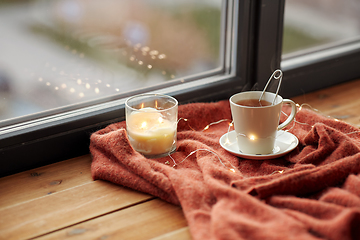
point(150, 132)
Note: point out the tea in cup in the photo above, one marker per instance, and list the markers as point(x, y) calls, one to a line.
point(257, 122)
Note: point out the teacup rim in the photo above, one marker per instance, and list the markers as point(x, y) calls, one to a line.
point(259, 93)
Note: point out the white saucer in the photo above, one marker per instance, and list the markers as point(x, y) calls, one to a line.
point(285, 142)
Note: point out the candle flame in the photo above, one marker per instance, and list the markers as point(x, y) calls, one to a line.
point(160, 119)
point(252, 137)
point(143, 125)
point(142, 106)
point(156, 104)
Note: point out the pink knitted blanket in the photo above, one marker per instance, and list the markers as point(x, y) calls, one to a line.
point(311, 193)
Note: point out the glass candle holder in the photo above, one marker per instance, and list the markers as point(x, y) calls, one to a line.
point(151, 124)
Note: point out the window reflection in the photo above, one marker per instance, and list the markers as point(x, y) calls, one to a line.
point(309, 23)
point(56, 53)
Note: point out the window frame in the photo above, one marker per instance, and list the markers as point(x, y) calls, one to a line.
point(303, 72)
point(62, 136)
point(319, 68)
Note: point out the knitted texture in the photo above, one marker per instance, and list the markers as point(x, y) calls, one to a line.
point(311, 193)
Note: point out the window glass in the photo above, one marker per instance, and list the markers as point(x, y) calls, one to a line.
point(309, 23)
point(62, 52)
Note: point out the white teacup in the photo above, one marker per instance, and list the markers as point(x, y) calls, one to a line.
point(256, 127)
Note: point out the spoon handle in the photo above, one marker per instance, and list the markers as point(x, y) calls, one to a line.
point(271, 77)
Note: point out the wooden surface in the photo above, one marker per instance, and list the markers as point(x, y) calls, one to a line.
point(62, 201)
point(341, 102)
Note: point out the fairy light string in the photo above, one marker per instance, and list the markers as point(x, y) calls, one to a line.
point(207, 126)
point(300, 107)
point(232, 168)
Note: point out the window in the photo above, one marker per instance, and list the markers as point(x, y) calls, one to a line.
point(313, 24)
point(244, 42)
point(77, 52)
point(321, 44)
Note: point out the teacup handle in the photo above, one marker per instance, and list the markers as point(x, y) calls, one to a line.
point(292, 115)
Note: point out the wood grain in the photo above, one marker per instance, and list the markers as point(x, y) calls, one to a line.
point(341, 101)
point(57, 196)
point(182, 233)
point(44, 181)
point(144, 221)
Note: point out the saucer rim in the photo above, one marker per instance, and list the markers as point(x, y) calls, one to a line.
point(290, 147)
